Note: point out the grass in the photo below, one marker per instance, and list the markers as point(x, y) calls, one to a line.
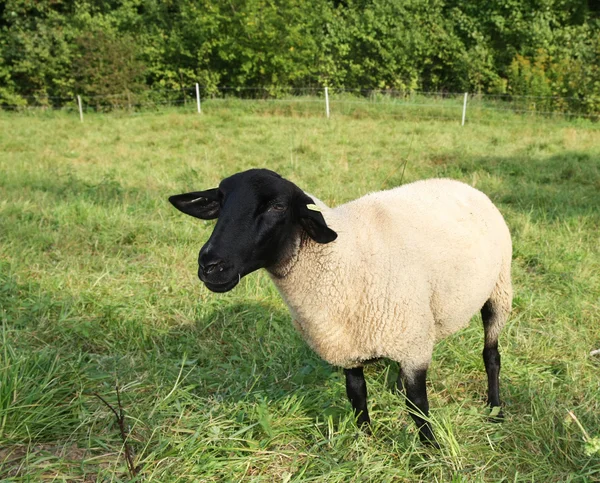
point(98, 288)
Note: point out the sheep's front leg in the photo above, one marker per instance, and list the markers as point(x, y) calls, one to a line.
point(415, 387)
point(356, 389)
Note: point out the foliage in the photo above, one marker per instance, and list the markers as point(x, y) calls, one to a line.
point(57, 48)
point(106, 64)
point(565, 83)
point(375, 44)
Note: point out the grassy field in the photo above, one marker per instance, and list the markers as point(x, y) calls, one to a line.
point(98, 288)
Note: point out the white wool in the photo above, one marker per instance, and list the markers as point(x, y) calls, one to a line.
point(410, 266)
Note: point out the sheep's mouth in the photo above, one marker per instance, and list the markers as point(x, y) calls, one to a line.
point(222, 286)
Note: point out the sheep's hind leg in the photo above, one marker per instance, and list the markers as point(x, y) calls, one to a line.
point(492, 323)
point(414, 385)
point(356, 389)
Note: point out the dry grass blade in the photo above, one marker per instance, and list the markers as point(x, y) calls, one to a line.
point(120, 417)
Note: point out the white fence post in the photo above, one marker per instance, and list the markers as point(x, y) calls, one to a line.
point(198, 98)
point(464, 109)
point(327, 102)
point(80, 108)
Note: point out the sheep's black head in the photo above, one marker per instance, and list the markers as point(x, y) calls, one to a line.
point(259, 213)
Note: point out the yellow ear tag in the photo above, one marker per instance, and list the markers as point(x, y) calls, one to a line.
point(312, 207)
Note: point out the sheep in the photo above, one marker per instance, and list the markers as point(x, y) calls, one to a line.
point(384, 276)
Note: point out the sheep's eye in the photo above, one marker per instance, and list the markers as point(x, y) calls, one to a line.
point(279, 207)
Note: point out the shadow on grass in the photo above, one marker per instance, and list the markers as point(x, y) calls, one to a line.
point(244, 350)
point(66, 187)
point(233, 351)
point(560, 186)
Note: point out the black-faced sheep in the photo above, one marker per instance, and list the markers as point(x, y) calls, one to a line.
point(386, 275)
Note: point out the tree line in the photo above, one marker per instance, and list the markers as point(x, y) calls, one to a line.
point(60, 48)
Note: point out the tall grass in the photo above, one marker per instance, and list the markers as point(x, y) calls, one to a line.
point(98, 288)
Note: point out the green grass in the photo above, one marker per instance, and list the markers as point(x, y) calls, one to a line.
point(98, 287)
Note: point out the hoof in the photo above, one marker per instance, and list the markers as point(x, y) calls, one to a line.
point(428, 439)
point(496, 415)
point(365, 428)
point(430, 443)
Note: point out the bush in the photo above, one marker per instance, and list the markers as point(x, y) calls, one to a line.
point(56, 48)
point(105, 64)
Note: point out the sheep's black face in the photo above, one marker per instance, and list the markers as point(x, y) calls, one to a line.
point(258, 214)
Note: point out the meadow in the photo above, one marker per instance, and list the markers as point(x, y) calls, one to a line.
point(98, 289)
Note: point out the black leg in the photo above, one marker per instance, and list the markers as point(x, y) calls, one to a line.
point(416, 400)
point(356, 389)
point(491, 359)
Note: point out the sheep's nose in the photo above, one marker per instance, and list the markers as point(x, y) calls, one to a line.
point(212, 266)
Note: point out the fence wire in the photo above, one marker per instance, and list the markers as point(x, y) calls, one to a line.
point(311, 101)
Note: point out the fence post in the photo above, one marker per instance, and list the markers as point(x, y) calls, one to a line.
point(80, 109)
point(464, 109)
point(198, 98)
point(327, 102)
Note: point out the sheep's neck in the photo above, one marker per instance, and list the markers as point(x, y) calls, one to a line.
point(301, 249)
point(287, 258)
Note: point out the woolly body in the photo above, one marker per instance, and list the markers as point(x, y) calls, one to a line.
point(410, 266)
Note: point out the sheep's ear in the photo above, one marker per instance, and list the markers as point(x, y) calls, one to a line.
point(312, 221)
point(199, 204)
